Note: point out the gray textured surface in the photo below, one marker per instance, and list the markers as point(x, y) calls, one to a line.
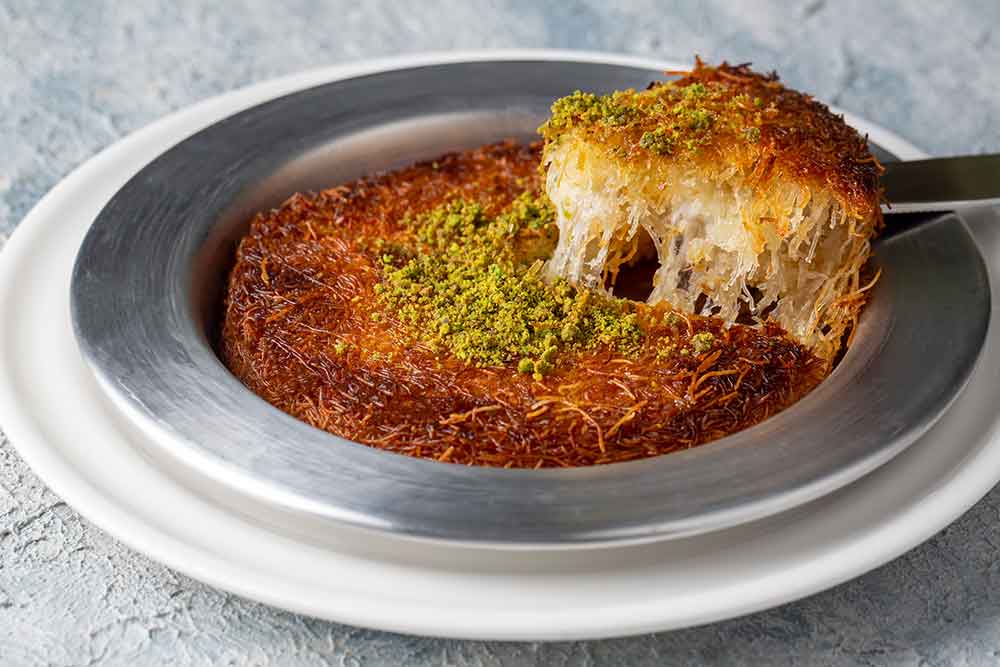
point(74, 77)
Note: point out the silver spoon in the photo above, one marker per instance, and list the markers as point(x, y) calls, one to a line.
point(941, 184)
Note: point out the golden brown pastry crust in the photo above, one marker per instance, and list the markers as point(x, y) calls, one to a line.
point(794, 136)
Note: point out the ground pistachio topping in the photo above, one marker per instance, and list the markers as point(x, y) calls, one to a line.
point(473, 285)
point(702, 342)
point(666, 119)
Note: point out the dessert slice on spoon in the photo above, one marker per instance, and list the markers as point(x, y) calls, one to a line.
point(751, 201)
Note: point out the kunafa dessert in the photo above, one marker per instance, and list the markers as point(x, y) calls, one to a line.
point(470, 309)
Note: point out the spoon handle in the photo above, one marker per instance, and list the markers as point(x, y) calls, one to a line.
point(941, 184)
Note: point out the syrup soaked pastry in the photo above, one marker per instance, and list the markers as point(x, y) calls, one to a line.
point(464, 309)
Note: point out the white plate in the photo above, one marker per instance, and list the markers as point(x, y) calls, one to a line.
point(55, 416)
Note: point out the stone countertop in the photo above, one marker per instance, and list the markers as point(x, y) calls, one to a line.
point(75, 77)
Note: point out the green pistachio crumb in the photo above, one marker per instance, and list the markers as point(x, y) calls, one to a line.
point(670, 119)
point(702, 342)
point(700, 119)
point(477, 278)
point(658, 141)
point(586, 108)
point(665, 350)
point(695, 90)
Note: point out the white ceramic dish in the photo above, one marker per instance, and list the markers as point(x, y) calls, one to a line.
point(55, 416)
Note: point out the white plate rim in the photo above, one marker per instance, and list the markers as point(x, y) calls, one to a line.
point(901, 531)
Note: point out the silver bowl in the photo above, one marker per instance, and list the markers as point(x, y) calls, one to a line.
point(146, 296)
